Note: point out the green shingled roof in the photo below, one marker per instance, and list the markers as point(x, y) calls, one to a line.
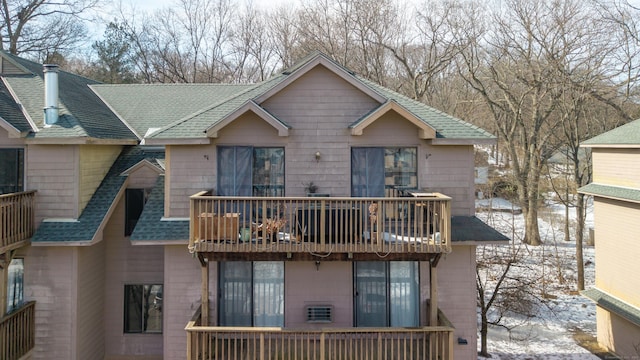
point(147, 106)
point(150, 226)
point(628, 134)
point(85, 228)
point(614, 305)
point(10, 110)
point(611, 192)
point(82, 113)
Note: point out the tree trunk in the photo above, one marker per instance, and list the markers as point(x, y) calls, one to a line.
point(484, 328)
point(532, 232)
point(579, 240)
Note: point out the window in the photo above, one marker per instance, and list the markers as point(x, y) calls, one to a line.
point(375, 170)
point(134, 203)
point(386, 293)
point(251, 293)
point(143, 308)
point(15, 285)
point(250, 171)
point(11, 170)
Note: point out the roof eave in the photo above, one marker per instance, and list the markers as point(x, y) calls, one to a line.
point(250, 105)
point(425, 130)
point(613, 146)
point(177, 141)
point(81, 140)
point(464, 141)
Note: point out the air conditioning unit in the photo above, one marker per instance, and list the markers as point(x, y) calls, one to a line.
point(319, 313)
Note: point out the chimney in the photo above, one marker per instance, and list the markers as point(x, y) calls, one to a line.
point(50, 94)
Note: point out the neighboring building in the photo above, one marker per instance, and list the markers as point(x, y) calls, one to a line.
point(616, 201)
point(160, 207)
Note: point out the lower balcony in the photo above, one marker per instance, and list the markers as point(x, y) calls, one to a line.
point(320, 225)
point(16, 219)
point(235, 343)
point(17, 332)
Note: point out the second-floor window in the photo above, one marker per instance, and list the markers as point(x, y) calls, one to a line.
point(377, 170)
point(11, 170)
point(143, 308)
point(250, 171)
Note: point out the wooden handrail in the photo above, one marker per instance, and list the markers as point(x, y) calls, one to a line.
point(320, 224)
point(17, 332)
point(17, 218)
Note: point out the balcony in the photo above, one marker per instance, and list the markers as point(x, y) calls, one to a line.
point(209, 342)
point(342, 227)
point(17, 332)
point(16, 219)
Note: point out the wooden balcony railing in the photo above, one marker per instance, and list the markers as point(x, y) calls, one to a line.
point(320, 224)
point(16, 219)
point(235, 343)
point(17, 332)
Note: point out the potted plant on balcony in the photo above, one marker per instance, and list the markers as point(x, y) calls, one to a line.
point(310, 188)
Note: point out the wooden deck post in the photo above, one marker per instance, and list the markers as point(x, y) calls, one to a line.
point(433, 290)
point(204, 266)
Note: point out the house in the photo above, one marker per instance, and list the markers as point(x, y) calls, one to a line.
point(171, 220)
point(616, 200)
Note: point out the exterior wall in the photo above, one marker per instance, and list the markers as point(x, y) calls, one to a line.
point(615, 255)
point(330, 284)
point(457, 297)
point(53, 171)
point(6, 141)
point(182, 280)
point(95, 161)
point(617, 334)
point(619, 167)
point(50, 279)
point(320, 106)
point(91, 291)
point(127, 264)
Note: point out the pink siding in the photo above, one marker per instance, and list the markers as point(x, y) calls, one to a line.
point(329, 284)
point(127, 264)
point(182, 280)
point(90, 304)
point(457, 297)
point(50, 280)
point(192, 170)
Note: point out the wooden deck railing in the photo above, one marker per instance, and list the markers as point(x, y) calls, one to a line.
point(17, 332)
point(235, 343)
point(16, 219)
point(320, 225)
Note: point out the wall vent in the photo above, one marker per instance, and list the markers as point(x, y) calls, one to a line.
point(319, 313)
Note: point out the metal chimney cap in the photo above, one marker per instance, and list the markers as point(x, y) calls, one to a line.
point(50, 67)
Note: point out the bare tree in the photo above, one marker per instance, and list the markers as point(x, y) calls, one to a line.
point(42, 27)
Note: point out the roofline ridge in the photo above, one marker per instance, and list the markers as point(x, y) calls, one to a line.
point(219, 103)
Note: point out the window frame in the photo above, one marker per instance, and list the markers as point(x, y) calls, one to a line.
point(389, 304)
point(152, 303)
point(229, 177)
point(252, 303)
point(17, 184)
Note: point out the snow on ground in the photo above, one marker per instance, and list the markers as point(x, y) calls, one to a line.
point(547, 335)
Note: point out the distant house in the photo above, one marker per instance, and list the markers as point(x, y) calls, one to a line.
point(171, 221)
point(616, 193)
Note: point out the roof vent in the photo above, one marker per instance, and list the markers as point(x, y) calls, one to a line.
point(50, 94)
point(319, 313)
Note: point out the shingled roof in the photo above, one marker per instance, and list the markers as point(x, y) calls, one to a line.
point(627, 135)
point(96, 212)
point(11, 112)
point(82, 113)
